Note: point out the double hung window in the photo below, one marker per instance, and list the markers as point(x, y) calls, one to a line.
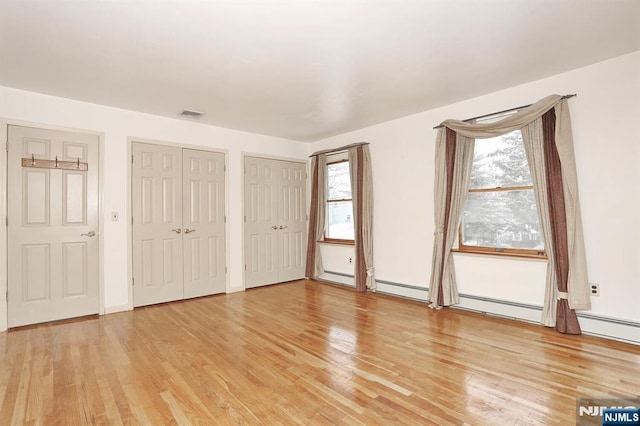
point(339, 215)
point(500, 215)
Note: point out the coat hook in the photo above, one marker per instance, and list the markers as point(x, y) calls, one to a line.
point(33, 160)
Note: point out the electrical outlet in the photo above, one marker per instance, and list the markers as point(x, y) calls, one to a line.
point(595, 289)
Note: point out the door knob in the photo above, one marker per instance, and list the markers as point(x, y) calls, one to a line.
point(188, 231)
point(274, 227)
point(89, 234)
point(177, 230)
point(283, 227)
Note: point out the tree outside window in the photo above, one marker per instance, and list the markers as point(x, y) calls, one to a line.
point(500, 215)
point(339, 203)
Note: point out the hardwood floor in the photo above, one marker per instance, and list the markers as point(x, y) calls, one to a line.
point(304, 353)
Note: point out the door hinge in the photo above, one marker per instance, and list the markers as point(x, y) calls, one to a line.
point(245, 219)
point(133, 281)
point(7, 146)
point(7, 295)
point(6, 221)
point(225, 269)
point(225, 219)
point(225, 167)
point(131, 158)
point(132, 220)
point(245, 266)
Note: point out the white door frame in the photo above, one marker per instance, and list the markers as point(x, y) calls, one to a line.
point(4, 130)
point(130, 141)
point(242, 206)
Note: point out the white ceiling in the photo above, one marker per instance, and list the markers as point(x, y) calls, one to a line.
point(301, 69)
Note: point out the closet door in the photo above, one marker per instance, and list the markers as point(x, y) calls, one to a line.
point(261, 221)
point(292, 223)
point(179, 248)
point(275, 221)
point(157, 224)
point(203, 223)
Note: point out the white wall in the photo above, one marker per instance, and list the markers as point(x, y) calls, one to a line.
point(604, 115)
point(118, 125)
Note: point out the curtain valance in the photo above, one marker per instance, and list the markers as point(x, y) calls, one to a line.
point(508, 124)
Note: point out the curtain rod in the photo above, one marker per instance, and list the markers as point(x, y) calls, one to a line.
point(504, 111)
point(339, 149)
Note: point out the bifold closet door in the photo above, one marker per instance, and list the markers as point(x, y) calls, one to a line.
point(261, 217)
point(292, 223)
point(178, 223)
point(203, 220)
point(157, 224)
point(275, 221)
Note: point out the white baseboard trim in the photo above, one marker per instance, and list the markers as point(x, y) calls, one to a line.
point(115, 309)
point(597, 325)
point(337, 278)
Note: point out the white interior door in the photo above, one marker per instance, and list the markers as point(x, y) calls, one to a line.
point(179, 248)
point(292, 223)
point(53, 227)
point(261, 221)
point(275, 221)
point(157, 224)
point(203, 222)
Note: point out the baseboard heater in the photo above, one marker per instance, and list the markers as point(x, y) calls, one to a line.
point(597, 325)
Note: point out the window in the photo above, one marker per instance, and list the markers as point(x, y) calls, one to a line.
point(500, 215)
point(339, 204)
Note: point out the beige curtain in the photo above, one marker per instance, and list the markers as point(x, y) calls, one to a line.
point(317, 211)
point(362, 196)
point(579, 296)
point(454, 159)
point(556, 173)
point(532, 138)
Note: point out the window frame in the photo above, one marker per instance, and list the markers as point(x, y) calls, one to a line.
point(325, 238)
point(499, 251)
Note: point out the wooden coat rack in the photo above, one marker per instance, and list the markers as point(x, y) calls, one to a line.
point(55, 164)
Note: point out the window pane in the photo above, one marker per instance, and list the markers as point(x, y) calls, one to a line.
point(340, 220)
point(505, 219)
point(500, 162)
point(338, 181)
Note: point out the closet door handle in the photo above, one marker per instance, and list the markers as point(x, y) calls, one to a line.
point(177, 230)
point(283, 227)
point(274, 227)
point(188, 231)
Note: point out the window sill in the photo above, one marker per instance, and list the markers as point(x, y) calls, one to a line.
point(338, 242)
point(501, 254)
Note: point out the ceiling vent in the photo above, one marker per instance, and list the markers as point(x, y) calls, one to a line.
point(191, 114)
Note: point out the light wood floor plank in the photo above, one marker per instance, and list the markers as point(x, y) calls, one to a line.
point(304, 353)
